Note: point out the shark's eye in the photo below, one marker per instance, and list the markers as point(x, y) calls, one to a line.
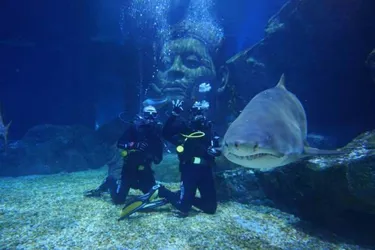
point(226, 144)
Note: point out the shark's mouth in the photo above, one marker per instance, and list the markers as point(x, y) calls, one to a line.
point(254, 156)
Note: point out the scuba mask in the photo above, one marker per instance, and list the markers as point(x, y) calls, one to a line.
point(197, 117)
point(148, 117)
point(149, 114)
point(198, 122)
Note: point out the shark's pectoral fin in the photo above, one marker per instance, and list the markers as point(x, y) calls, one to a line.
point(309, 151)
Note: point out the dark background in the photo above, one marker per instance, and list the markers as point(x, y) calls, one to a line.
point(67, 62)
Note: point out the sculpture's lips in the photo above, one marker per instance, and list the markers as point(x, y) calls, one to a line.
point(174, 90)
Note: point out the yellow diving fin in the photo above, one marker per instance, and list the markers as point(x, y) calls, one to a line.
point(130, 209)
point(142, 202)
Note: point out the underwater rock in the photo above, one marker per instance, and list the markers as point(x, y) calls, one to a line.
point(47, 149)
point(317, 42)
point(240, 185)
point(327, 189)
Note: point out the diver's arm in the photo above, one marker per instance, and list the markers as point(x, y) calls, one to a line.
point(173, 128)
point(129, 136)
point(214, 149)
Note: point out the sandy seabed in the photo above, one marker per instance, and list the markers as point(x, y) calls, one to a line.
point(50, 212)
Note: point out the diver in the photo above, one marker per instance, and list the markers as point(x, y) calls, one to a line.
point(141, 145)
point(196, 146)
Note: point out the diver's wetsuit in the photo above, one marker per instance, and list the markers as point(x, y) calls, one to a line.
point(136, 170)
point(195, 167)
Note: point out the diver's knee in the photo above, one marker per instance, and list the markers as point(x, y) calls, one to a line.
point(117, 201)
point(162, 191)
point(211, 209)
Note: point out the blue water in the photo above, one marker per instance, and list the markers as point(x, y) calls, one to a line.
point(86, 62)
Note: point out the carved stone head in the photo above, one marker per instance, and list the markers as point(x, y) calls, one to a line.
point(184, 63)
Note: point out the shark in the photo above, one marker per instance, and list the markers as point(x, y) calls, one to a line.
point(4, 130)
point(270, 131)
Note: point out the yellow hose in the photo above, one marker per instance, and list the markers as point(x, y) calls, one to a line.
point(197, 134)
point(194, 135)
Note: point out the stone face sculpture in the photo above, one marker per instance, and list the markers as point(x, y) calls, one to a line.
point(184, 63)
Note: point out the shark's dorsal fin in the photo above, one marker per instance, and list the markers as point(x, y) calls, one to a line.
point(281, 83)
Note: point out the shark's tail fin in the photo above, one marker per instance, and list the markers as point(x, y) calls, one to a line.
point(362, 144)
point(316, 151)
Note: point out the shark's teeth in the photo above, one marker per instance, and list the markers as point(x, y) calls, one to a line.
point(254, 156)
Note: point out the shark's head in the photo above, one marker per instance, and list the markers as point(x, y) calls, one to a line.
point(252, 149)
point(269, 132)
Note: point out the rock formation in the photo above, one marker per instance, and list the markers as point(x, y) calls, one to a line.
point(48, 149)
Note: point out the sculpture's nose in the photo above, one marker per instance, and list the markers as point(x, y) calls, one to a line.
point(176, 72)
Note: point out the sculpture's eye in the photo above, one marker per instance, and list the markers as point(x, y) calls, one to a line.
point(165, 63)
point(192, 61)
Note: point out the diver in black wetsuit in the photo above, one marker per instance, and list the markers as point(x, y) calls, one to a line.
point(196, 149)
point(141, 146)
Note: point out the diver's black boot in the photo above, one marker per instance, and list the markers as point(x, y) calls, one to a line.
point(93, 193)
point(98, 191)
point(180, 214)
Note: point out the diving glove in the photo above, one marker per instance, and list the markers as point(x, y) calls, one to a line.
point(215, 152)
point(142, 146)
point(177, 107)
